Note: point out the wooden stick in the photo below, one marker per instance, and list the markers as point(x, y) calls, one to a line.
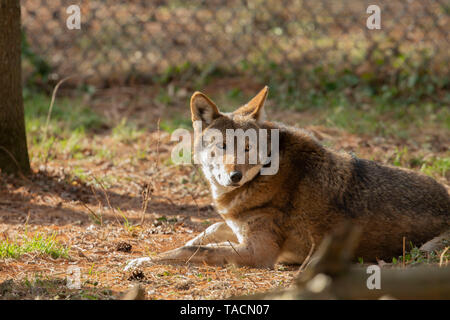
point(330, 275)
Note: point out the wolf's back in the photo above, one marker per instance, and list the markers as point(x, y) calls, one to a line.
point(392, 203)
point(375, 188)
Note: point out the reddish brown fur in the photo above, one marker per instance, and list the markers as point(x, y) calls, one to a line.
point(317, 188)
point(277, 217)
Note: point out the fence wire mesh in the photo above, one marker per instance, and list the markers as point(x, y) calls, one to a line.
point(128, 41)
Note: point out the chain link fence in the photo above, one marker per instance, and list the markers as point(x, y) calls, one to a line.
point(136, 40)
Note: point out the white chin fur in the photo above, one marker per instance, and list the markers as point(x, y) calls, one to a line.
point(220, 180)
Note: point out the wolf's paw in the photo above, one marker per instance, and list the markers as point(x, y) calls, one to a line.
point(139, 262)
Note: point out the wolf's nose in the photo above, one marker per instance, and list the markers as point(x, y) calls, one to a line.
point(236, 176)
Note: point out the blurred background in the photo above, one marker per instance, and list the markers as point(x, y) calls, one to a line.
point(318, 42)
point(137, 62)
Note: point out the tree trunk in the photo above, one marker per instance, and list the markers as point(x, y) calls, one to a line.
point(13, 143)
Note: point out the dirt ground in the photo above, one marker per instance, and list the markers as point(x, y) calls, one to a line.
point(105, 218)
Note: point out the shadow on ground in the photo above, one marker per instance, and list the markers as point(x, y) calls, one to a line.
point(43, 199)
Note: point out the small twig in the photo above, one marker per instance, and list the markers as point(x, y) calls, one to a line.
point(26, 222)
point(47, 155)
point(441, 260)
point(195, 201)
point(308, 257)
point(165, 198)
point(229, 242)
point(17, 164)
point(107, 199)
point(234, 248)
point(95, 195)
point(93, 213)
point(202, 178)
point(157, 145)
point(11, 156)
point(55, 90)
point(147, 191)
point(404, 241)
point(49, 113)
point(187, 261)
point(157, 150)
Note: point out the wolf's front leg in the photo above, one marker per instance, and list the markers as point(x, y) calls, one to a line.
point(216, 233)
point(261, 250)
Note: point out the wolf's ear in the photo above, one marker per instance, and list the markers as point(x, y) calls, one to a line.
point(203, 109)
point(255, 107)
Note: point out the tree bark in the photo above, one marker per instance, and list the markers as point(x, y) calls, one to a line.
point(13, 143)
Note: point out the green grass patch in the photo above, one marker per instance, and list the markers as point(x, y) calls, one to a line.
point(39, 243)
point(378, 117)
point(351, 103)
point(436, 166)
point(431, 165)
point(67, 114)
point(414, 256)
point(126, 132)
point(170, 125)
point(68, 126)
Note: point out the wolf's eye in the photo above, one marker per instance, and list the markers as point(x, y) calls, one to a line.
point(221, 146)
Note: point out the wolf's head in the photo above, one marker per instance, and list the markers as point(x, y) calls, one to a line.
point(232, 148)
